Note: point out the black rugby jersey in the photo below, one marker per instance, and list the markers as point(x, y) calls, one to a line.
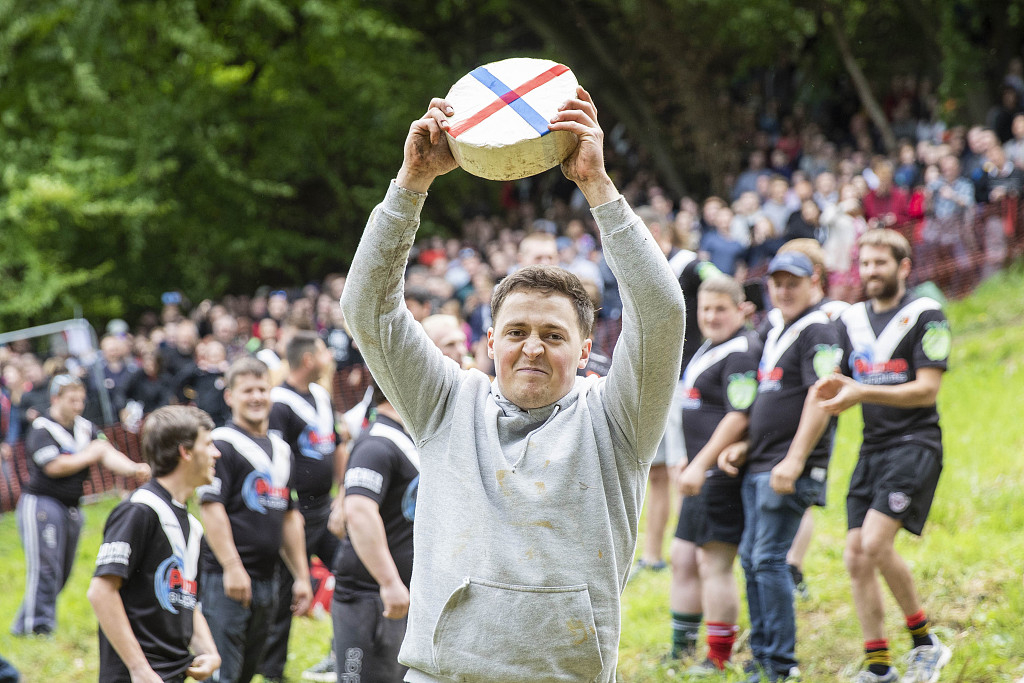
point(46, 441)
point(252, 482)
point(305, 420)
point(383, 466)
point(795, 356)
point(152, 543)
point(887, 349)
point(720, 378)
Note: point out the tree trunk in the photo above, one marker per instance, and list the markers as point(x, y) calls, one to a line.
point(591, 56)
point(860, 82)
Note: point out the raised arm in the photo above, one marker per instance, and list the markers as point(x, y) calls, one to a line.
point(408, 368)
point(648, 354)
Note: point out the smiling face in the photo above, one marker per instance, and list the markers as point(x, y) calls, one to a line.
point(249, 400)
point(718, 316)
point(792, 294)
point(537, 346)
point(884, 279)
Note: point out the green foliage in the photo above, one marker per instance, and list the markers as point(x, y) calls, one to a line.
point(213, 146)
point(201, 146)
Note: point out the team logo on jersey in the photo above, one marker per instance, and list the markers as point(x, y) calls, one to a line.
point(827, 358)
point(260, 495)
point(867, 371)
point(937, 341)
point(706, 269)
point(741, 389)
point(171, 587)
point(898, 501)
point(769, 379)
point(691, 399)
point(313, 444)
point(409, 499)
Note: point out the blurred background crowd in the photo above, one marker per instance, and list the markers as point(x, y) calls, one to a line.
point(953, 191)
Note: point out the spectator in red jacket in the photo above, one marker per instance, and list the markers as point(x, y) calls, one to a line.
point(886, 205)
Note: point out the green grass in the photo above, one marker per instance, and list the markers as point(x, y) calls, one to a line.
point(72, 653)
point(968, 563)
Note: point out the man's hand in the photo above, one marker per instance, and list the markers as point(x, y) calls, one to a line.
point(836, 393)
point(302, 596)
point(395, 597)
point(691, 480)
point(585, 165)
point(427, 154)
point(203, 666)
point(784, 476)
point(732, 457)
point(336, 520)
point(237, 584)
point(144, 674)
point(143, 472)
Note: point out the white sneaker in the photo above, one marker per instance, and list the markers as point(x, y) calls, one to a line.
point(865, 676)
point(324, 671)
point(925, 662)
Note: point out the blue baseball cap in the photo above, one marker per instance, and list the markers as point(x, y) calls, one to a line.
point(791, 262)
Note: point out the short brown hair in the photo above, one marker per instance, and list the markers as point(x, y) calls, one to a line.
point(724, 284)
point(167, 428)
point(886, 238)
point(547, 280)
point(301, 343)
point(245, 366)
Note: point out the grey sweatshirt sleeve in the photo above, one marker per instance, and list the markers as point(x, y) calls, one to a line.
point(648, 354)
point(416, 378)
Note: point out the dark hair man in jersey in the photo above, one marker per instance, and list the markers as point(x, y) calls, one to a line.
point(896, 345)
point(251, 520)
point(720, 383)
point(145, 588)
point(531, 484)
point(374, 565)
point(786, 456)
point(303, 415)
point(61, 447)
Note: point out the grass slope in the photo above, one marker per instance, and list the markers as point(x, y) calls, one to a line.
point(968, 564)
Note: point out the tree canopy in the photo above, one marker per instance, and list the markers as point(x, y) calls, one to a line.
point(206, 146)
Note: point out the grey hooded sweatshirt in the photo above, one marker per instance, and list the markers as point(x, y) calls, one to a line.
point(526, 520)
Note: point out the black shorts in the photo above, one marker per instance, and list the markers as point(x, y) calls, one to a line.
point(899, 482)
point(714, 515)
point(365, 642)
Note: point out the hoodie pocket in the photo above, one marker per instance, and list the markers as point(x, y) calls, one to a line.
point(492, 631)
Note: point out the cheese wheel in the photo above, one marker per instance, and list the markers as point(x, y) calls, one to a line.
point(500, 127)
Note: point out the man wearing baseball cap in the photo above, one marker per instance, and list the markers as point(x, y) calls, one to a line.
point(785, 457)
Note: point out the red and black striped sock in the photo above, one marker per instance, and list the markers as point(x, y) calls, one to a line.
point(877, 657)
point(917, 624)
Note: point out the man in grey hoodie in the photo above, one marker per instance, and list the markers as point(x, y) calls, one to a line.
point(531, 486)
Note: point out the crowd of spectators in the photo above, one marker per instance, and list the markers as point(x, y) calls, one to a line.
point(797, 182)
